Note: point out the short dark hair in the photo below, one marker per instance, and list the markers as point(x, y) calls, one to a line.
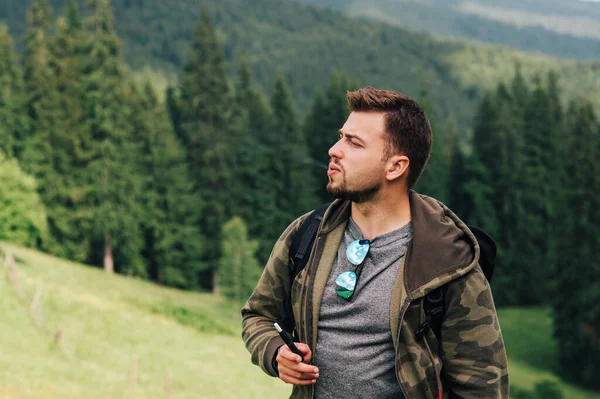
point(406, 124)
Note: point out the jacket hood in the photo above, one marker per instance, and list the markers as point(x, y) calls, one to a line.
point(443, 248)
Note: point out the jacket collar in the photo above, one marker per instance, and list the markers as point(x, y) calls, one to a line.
point(443, 248)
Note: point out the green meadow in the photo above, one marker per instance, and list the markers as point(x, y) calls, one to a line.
point(72, 331)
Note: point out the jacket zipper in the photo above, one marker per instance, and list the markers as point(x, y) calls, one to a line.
point(405, 308)
point(318, 251)
point(303, 304)
point(437, 377)
point(303, 294)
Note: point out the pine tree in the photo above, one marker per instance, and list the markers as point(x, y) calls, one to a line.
point(204, 108)
point(478, 189)
point(497, 148)
point(38, 150)
point(114, 200)
point(68, 217)
point(14, 123)
point(21, 210)
point(457, 174)
point(239, 270)
point(255, 197)
point(327, 114)
point(557, 140)
point(173, 243)
point(434, 180)
point(295, 190)
point(576, 297)
point(538, 158)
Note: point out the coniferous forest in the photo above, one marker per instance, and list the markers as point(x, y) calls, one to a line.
point(190, 186)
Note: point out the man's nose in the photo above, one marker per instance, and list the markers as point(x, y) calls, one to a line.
point(336, 151)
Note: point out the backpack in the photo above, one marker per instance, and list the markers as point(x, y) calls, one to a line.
point(434, 302)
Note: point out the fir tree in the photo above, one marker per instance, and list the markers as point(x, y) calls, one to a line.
point(116, 241)
point(255, 197)
point(557, 140)
point(493, 165)
point(326, 116)
point(38, 154)
point(21, 210)
point(457, 174)
point(576, 298)
point(295, 195)
point(538, 158)
point(67, 214)
point(173, 244)
point(239, 270)
point(434, 180)
point(205, 106)
point(13, 115)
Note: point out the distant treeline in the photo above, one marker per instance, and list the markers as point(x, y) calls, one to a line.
point(193, 191)
point(446, 18)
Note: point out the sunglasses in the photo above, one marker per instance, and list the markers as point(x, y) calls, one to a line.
point(346, 282)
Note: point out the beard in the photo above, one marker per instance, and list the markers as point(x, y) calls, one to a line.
point(357, 196)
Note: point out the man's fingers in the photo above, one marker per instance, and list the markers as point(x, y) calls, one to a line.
point(286, 353)
point(292, 361)
point(295, 381)
point(292, 370)
point(306, 352)
point(297, 366)
point(297, 374)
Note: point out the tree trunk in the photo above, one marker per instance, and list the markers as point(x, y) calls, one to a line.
point(215, 282)
point(109, 266)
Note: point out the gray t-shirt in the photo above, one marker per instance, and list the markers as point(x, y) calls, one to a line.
point(355, 353)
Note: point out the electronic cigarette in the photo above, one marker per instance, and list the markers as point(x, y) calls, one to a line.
point(288, 341)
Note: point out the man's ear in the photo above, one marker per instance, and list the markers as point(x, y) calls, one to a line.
point(396, 167)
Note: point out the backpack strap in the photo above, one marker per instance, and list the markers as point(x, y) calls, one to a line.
point(488, 251)
point(299, 253)
point(434, 304)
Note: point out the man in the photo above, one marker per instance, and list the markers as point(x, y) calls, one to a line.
point(380, 249)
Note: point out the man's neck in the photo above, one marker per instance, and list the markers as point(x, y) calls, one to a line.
point(381, 215)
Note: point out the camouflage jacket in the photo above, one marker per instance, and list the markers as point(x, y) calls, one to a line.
point(469, 362)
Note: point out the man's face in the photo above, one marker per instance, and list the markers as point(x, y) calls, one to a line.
point(356, 168)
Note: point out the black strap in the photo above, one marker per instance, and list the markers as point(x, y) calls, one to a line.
point(434, 306)
point(435, 302)
point(299, 253)
point(304, 240)
point(488, 251)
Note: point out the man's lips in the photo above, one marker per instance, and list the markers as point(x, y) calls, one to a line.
point(333, 169)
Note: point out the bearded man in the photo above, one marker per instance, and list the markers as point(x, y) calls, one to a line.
point(379, 250)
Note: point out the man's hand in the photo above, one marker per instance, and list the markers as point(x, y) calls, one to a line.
point(292, 370)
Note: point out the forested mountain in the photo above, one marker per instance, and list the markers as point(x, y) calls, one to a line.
point(568, 29)
point(305, 44)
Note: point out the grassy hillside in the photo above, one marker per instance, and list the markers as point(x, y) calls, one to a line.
point(109, 323)
point(115, 327)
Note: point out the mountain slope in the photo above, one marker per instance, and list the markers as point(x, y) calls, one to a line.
point(124, 337)
point(568, 29)
point(118, 335)
point(306, 43)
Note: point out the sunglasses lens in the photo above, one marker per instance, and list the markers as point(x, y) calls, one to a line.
point(345, 284)
point(357, 251)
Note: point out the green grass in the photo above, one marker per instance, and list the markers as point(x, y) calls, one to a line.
point(532, 350)
point(110, 322)
point(107, 322)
